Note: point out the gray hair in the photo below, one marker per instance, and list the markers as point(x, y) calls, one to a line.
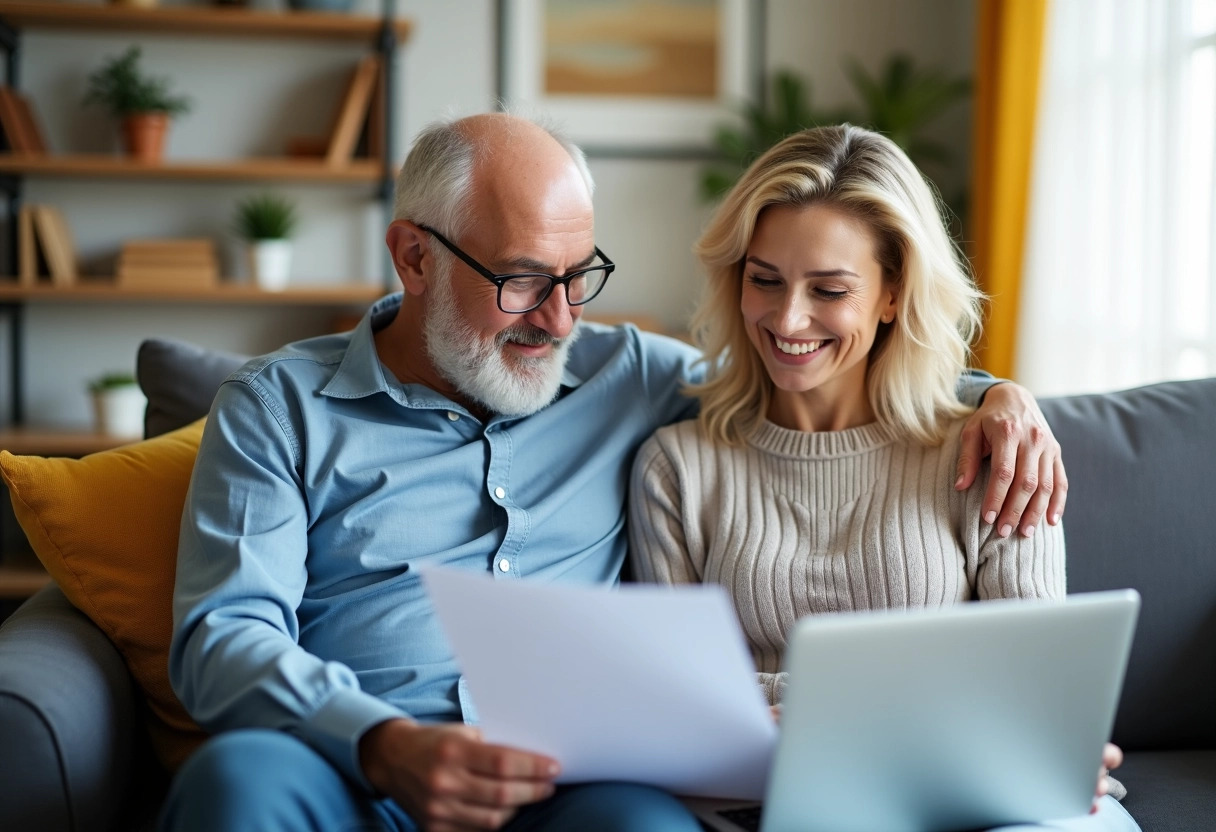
point(434, 183)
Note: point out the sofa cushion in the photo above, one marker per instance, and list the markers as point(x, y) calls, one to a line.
point(68, 719)
point(106, 527)
point(179, 380)
point(1141, 514)
point(1170, 791)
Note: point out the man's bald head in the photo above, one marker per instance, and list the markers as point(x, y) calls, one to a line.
point(501, 153)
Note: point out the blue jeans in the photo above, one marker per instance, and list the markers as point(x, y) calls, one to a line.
point(266, 781)
point(1110, 817)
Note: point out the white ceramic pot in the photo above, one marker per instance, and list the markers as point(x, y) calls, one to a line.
point(270, 264)
point(119, 411)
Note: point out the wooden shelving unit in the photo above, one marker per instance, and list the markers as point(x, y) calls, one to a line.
point(267, 169)
point(103, 291)
point(20, 573)
point(200, 20)
point(53, 442)
point(18, 582)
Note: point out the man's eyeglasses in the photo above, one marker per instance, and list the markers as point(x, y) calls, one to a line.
point(524, 291)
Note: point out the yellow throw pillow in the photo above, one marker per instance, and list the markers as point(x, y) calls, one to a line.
point(105, 527)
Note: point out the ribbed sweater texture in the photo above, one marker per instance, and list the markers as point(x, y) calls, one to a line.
point(796, 523)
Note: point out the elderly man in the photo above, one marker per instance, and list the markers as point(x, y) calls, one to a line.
point(469, 422)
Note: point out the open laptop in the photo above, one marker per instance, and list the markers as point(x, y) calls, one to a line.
point(962, 718)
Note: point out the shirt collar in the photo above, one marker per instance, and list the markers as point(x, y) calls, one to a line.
point(361, 373)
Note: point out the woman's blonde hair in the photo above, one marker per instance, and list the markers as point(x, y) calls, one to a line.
point(916, 361)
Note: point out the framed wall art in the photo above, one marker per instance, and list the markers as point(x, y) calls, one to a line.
point(632, 77)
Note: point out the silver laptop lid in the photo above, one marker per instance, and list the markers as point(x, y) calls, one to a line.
point(967, 717)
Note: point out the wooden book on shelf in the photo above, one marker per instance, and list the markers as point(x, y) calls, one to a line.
point(19, 124)
point(55, 239)
point(32, 127)
point(353, 113)
point(27, 247)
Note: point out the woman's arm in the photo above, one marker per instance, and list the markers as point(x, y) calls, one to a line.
point(1026, 477)
point(1007, 567)
point(1013, 566)
point(658, 547)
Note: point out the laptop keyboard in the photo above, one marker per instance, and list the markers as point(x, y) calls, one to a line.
point(747, 817)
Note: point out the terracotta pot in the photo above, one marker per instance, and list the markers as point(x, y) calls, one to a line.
point(143, 135)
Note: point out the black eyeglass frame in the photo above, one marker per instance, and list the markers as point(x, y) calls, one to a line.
point(500, 280)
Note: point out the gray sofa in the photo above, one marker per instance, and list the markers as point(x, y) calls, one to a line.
point(1141, 513)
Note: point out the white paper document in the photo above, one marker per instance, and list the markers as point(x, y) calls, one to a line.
point(649, 684)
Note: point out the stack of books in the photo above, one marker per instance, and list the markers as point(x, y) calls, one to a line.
point(168, 264)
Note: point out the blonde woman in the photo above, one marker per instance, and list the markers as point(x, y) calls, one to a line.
point(837, 319)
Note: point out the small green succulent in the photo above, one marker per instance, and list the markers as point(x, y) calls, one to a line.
point(111, 381)
point(265, 217)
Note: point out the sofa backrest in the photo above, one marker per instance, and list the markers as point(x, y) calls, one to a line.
point(180, 380)
point(1141, 513)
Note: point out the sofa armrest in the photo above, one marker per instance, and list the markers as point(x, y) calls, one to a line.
point(68, 718)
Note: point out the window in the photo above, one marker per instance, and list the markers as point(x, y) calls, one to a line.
point(1119, 284)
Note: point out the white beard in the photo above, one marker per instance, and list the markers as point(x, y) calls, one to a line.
point(476, 366)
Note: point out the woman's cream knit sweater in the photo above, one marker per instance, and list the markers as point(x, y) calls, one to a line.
point(795, 523)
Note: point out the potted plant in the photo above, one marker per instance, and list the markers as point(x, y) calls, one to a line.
point(142, 103)
point(118, 405)
point(265, 222)
point(899, 102)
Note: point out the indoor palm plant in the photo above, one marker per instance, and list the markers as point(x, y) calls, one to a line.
point(899, 102)
point(265, 222)
point(142, 103)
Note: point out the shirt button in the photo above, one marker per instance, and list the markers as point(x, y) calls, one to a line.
point(453, 417)
point(504, 565)
point(500, 492)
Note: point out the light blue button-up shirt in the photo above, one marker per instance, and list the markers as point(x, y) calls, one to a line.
point(322, 484)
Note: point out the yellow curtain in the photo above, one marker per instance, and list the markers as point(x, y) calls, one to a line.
point(1009, 49)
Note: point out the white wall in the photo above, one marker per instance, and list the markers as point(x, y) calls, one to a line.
point(250, 95)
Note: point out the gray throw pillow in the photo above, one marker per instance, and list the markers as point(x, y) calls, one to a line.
point(180, 380)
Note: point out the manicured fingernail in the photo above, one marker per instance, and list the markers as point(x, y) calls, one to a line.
point(1028, 531)
point(1006, 529)
point(990, 517)
point(1055, 519)
point(958, 483)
